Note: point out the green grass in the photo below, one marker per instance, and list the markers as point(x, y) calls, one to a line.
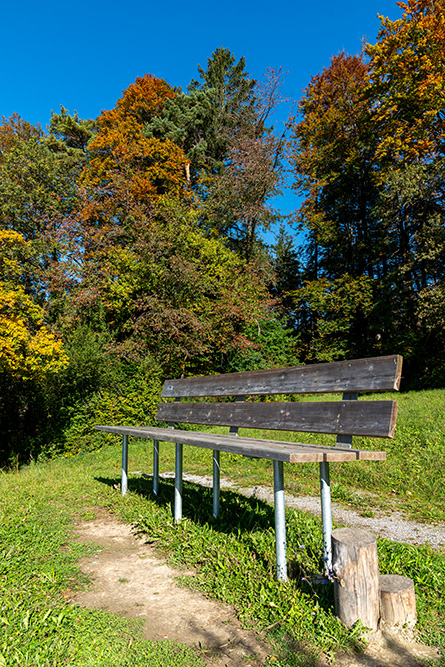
point(233, 557)
point(38, 564)
point(410, 480)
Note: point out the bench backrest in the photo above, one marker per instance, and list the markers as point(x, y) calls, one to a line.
point(344, 417)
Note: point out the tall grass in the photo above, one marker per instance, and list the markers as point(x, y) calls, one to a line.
point(233, 557)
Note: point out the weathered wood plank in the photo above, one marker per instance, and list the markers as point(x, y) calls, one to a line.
point(253, 447)
point(363, 418)
point(360, 375)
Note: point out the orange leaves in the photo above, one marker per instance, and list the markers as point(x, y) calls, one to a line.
point(132, 169)
point(142, 100)
point(407, 82)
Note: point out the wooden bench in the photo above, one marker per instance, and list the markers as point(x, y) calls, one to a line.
point(345, 418)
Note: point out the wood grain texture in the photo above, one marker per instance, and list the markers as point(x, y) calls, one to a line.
point(252, 447)
point(357, 584)
point(359, 375)
point(397, 601)
point(363, 418)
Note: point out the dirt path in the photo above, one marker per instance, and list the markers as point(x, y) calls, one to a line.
point(130, 580)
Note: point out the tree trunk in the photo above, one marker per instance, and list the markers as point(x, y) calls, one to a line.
point(397, 601)
point(357, 584)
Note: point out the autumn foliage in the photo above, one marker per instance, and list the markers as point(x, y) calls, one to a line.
point(127, 170)
point(133, 248)
point(28, 348)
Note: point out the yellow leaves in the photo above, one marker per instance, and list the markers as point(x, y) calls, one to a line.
point(408, 78)
point(14, 249)
point(27, 347)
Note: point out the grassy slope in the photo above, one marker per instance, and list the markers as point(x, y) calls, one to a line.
point(233, 557)
point(38, 567)
point(411, 479)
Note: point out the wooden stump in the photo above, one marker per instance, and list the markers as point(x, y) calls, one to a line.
point(357, 583)
point(397, 601)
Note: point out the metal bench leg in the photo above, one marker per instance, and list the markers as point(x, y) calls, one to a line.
point(124, 475)
point(178, 482)
point(326, 515)
point(280, 521)
point(216, 483)
point(155, 467)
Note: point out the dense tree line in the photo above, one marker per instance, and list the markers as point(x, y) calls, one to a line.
point(368, 155)
point(132, 245)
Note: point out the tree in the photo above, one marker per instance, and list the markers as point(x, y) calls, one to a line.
point(38, 193)
point(234, 162)
point(184, 120)
point(28, 349)
point(329, 316)
point(287, 268)
point(333, 150)
point(238, 198)
point(201, 121)
point(407, 67)
point(250, 154)
point(368, 153)
point(229, 90)
point(34, 184)
point(127, 171)
point(169, 292)
point(407, 81)
point(13, 129)
point(332, 154)
point(68, 136)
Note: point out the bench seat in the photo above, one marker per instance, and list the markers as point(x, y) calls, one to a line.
point(278, 450)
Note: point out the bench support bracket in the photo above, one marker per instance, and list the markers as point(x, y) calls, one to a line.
point(280, 521)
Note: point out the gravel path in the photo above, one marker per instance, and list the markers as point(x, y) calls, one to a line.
point(390, 524)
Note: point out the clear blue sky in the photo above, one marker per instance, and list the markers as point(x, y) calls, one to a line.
point(84, 54)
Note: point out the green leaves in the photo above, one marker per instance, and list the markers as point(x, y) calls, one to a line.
point(368, 155)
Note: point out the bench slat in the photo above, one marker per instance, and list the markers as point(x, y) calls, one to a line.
point(360, 375)
point(251, 447)
point(363, 418)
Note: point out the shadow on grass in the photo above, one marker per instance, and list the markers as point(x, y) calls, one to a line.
point(236, 511)
point(239, 514)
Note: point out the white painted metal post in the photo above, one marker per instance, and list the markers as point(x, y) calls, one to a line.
point(280, 521)
point(325, 492)
point(216, 483)
point(326, 515)
point(178, 482)
point(124, 475)
point(155, 467)
point(177, 510)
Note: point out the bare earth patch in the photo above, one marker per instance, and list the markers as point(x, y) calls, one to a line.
point(129, 579)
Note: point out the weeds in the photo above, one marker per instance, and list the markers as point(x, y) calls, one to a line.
point(233, 557)
point(38, 564)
